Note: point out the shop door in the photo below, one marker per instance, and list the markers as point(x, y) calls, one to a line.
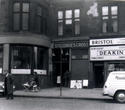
point(99, 74)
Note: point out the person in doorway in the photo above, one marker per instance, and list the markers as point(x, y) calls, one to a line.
point(9, 85)
point(66, 78)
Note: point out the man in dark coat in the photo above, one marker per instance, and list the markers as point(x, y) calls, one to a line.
point(9, 86)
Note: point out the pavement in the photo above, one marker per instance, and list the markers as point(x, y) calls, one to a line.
point(65, 93)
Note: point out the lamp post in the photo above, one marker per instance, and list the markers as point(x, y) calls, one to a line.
point(61, 52)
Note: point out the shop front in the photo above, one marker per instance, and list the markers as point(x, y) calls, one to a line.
point(70, 56)
point(22, 55)
point(106, 55)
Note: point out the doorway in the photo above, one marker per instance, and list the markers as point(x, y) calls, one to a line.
point(98, 74)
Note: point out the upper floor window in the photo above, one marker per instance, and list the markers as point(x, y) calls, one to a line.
point(69, 22)
point(20, 16)
point(41, 20)
point(109, 19)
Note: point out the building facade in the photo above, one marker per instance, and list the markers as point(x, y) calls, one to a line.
point(92, 32)
point(77, 42)
point(24, 44)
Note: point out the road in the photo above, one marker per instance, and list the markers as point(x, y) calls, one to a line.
point(21, 103)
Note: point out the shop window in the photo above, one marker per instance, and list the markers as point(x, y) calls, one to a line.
point(39, 54)
point(109, 19)
point(116, 67)
point(40, 60)
point(1, 58)
point(20, 16)
point(69, 22)
point(41, 20)
point(21, 59)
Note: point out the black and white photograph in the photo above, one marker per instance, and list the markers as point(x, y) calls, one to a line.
point(62, 54)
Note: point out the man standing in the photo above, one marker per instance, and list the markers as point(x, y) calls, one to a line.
point(9, 85)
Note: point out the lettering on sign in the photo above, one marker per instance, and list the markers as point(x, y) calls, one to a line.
point(101, 42)
point(111, 52)
point(107, 53)
point(71, 44)
point(112, 41)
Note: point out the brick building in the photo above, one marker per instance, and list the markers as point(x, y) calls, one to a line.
point(84, 37)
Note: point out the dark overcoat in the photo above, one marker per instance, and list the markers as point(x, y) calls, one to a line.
point(9, 84)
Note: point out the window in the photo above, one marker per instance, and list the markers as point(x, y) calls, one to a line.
point(20, 16)
point(60, 23)
point(77, 21)
point(109, 19)
point(21, 57)
point(69, 22)
point(27, 58)
point(1, 58)
point(41, 20)
point(39, 57)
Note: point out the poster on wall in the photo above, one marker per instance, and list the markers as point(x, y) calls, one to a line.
point(107, 53)
point(77, 84)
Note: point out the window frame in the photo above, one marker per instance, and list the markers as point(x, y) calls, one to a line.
point(109, 19)
point(42, 19)
point(21, 13)
point(73, 25)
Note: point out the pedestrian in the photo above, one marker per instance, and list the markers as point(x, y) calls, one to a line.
point(9, 85)
point(67, 78)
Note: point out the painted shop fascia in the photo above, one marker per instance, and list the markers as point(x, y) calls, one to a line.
point(106, 55)
point(107, 49)
point(78, 58)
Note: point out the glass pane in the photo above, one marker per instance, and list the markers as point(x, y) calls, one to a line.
point(21, 57)
point(114, 10)
point(41, 58)
point(115, 26)
point(68, 21)
point(25, 7)
point(77, 28)
point(104, 27)
point(60, 28)
point(105, 17)
point(16, 7)
point(60, 14)
point(105, 10)
point(39, 11)
point(38, 24)
point(68, 14)
point(25, 21)
point(76, 13)
point(16, 21)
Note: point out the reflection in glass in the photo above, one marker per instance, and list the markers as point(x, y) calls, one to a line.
point(25, 7)
point(60, 14)
point(16, 7)
point(68, 14)
point(105, 10)
point(114, 10)
point(76, 13)
point(21, 57)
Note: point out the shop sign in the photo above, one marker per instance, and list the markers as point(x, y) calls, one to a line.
point(113, 41)
point(107, 53)
point(0, 70)
point(73, 44)
point(41, 72)
point(20, 71)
